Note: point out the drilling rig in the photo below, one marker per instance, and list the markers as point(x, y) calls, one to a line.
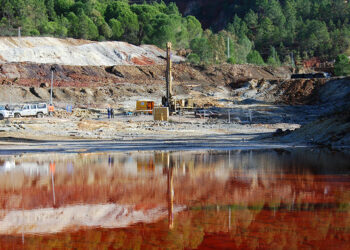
point(168, 100)
point(172, 103)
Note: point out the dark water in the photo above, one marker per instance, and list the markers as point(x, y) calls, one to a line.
point(251, 199)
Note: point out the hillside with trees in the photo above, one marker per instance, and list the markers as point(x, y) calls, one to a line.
point(257, 31)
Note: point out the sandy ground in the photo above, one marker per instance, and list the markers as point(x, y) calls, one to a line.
point(254, 102)
point(93, 131)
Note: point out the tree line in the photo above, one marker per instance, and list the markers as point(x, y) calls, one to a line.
point(153, 23)
point(258, 31)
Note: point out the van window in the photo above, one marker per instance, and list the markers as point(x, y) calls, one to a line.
point(41, 106)
point(26, 107)
point(33, 106)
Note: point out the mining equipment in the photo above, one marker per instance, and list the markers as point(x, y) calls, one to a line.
point(145, 107)
point(169, 100)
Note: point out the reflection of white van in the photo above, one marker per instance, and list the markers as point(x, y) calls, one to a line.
point(34, 109)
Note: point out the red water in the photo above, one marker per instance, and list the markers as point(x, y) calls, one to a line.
point(207, 200)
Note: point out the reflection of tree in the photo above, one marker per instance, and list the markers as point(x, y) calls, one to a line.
point(199, 180)
point(271, 209)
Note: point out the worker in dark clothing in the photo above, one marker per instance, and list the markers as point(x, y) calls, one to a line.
point(112, 113)
point(109, 113)
point(7, 107)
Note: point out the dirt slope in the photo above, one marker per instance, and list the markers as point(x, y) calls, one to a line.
point(78, 52)
point(333, 127)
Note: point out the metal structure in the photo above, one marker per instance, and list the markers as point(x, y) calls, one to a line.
point(167, 100)
point(52, 70)
point(174, 105)
point(168, 73)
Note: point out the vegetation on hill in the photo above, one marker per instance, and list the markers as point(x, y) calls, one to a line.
point(258, 31)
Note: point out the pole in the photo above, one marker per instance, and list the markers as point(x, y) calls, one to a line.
point(11, 86)
point(168, 74)
point(228, 47)
point(51, 87)
point(51, 90)
point(53, 188)
point(170, 191)
point(19, 31)
point(229, 219)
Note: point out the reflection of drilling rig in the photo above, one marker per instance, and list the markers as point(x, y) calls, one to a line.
point(167, 100)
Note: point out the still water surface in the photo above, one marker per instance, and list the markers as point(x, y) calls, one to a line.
point(266, 199)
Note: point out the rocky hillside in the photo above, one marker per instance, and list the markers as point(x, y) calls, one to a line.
point(78, 52)
point(107, 72)
point(333, 127)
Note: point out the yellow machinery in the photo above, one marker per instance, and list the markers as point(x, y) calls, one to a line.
point(145, 107)
point(161, 114)
point(168, 100)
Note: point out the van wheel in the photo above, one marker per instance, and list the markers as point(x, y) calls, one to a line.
point(17, 115)
point(1, 117)
point(39, 115)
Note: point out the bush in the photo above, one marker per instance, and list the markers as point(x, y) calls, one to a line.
point(254, 57)
point(193, 58)
point(231, 60)
point(342, 65)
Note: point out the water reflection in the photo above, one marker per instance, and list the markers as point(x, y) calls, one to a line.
point(206, 198)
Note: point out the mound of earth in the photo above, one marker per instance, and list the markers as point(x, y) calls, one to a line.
point(78, 52)
point(290, 91)
point(333, 128)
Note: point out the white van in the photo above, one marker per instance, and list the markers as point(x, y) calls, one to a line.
point(34, 109)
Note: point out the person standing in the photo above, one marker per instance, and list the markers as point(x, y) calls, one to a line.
point(112, 113)
point(109, 113)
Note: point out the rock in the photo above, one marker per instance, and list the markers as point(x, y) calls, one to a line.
point(44, 85)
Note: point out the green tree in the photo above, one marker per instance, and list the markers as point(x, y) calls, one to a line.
point(243, 48)
point(145, 14)
point(274, 12)
point(120, 10)
point(117, 29)
point(61, 29)
point(63, 6)
point(273, 58)
point(254, 57)
point(291, 20)
point(73, 25)
point(238, 27)
point(50, 6)
point(105, 30)
point(164, 28)
point(251, 19)
point(202, 48)
point(314, 37)
point(194, 58)
point(194, 28)
point(342, 65)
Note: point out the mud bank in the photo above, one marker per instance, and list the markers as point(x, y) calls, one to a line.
point(332, 128)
